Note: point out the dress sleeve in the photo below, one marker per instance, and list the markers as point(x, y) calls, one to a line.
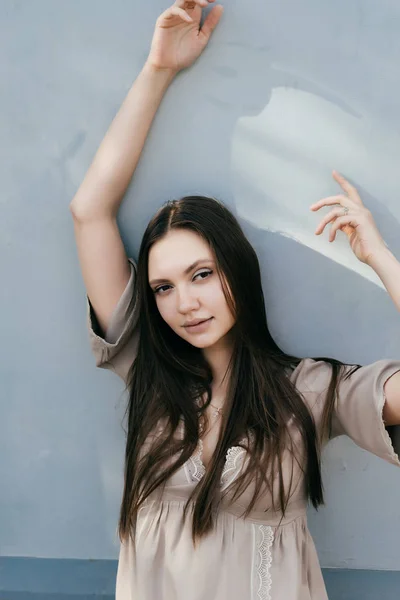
point(358, 406)
point(117, 349)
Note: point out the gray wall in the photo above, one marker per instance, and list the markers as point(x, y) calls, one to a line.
point(285, 92)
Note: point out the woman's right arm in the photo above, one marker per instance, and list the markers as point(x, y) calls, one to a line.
point(177, 42)
point(94, 208)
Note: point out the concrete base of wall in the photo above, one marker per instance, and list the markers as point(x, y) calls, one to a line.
point(51, 579)
point(358, 584)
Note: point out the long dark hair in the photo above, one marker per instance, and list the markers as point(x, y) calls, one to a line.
point(169, 376)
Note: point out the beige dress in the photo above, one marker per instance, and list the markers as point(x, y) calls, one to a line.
point(257, 558)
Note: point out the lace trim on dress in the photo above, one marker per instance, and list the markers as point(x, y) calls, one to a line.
point(194, 467)
point(231, 465)
point(264, 538)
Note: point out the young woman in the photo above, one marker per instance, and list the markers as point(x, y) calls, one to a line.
point(225, 430)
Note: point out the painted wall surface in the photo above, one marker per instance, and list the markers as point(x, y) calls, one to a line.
point(285, 92)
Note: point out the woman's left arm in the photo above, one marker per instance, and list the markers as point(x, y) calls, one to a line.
point(356, 221)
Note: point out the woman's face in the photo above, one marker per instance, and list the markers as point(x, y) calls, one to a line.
point(187, 288)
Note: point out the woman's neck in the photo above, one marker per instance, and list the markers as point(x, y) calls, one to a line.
point(218, 357)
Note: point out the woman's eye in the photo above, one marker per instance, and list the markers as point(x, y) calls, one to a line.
point(161, 288)
point(203, 274)
point(164, 288)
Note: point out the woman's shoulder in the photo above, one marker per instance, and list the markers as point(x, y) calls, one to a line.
point(311, 375)
point(312, 379)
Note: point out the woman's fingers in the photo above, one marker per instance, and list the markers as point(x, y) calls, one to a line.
point(211, 21)
point(175, 11)
point(330, 200)
point(347, 187)
point(183, 9)
point(331, 216)
point(351, 200)
point(347, 224)
point(190, 5)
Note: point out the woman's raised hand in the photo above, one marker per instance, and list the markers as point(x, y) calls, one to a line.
point(178, 40)
point(354, 219)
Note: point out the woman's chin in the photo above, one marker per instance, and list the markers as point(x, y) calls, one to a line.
point(210, 342)
point(203, 344)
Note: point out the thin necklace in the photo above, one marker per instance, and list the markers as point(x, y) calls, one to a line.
point(217, 413)
point(217, 410)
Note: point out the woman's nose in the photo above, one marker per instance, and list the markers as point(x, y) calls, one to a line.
point(187, 301)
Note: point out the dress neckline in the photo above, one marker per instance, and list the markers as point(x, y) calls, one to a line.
point(195, 469)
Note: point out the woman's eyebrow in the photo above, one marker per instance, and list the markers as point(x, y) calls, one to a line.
point(194, 265)
point(186, 271)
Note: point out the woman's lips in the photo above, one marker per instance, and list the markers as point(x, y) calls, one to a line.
point(200, 327)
